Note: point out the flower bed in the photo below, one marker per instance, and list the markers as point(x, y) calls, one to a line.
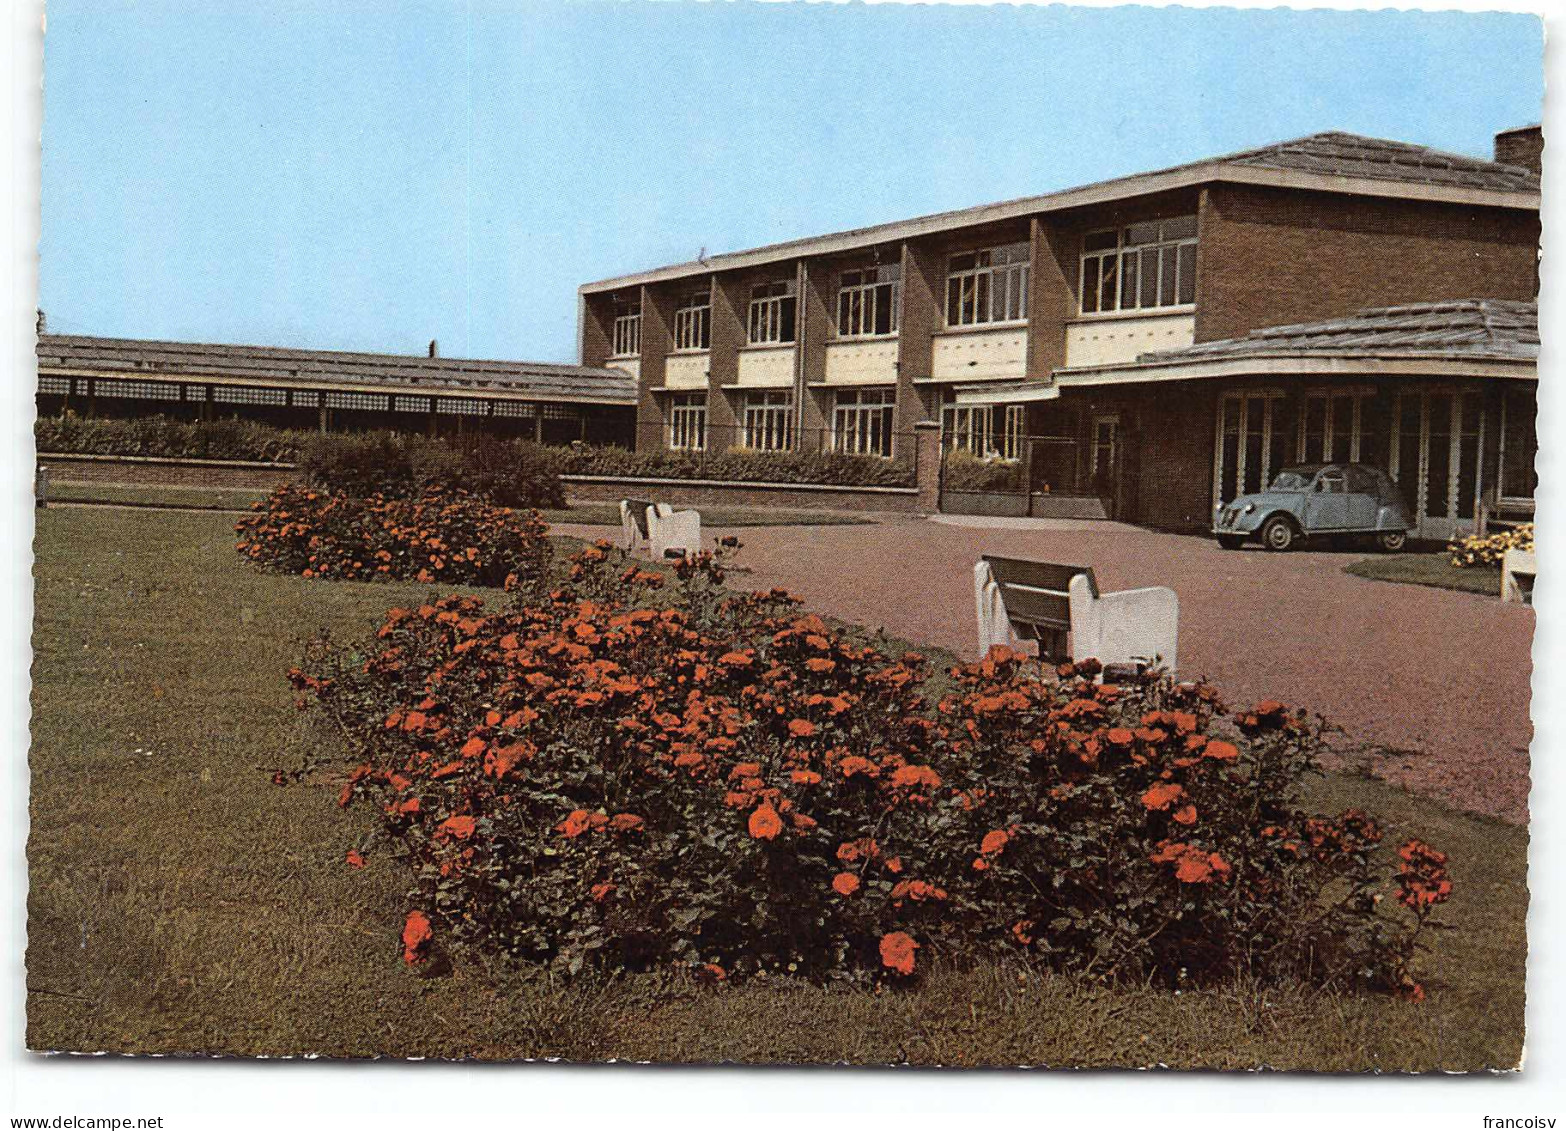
point(447, 537)
point(606, 778)
point(1488, 551)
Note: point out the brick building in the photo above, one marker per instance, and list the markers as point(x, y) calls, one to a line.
point(332, 390)
point(1027, 328)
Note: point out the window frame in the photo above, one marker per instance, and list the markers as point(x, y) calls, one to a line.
point(688, 422)
point(859, 304)
point(693, 323)
point(1001, 272)
point(772, 318)
point(1109, 272)
point(625, 339)
point(863, 426)
point(767, 415)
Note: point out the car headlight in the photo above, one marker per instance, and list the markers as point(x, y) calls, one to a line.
point(1247, 508)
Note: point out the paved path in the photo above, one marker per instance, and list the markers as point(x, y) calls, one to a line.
point(1439, 679)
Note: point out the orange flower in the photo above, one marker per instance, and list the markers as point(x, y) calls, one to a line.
point(1186, 815)
point(1120, 736)
point(805, 777)
point(765, 823)
point(820, 665)
point(574, 825)
point(459, 827)
point(1223, 751)
point(1022, 931)
point(626, 822)
point(472, 748)
point(845, 883)
point(897, 952)
point(600, 892)
point(355, 860)
point(994, 841)
point(1162, 795)
point(914, 777)
point(416, 934)
point(801, 728)
point(894, 864)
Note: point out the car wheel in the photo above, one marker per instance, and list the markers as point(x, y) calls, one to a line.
point(1392, 540)
point(1230, 541)
point(1278, 534)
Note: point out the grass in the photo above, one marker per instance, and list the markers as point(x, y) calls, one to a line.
point(585, 513)
point(1433, 569)
point(180, 902)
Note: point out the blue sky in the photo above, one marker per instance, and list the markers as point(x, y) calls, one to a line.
point(370, 175)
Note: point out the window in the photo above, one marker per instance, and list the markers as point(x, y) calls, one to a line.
point(966, 428)
point(54, 386)
point(228, 394)
point(862, 421)
point(307, 398)
point(688, 422)
point(867, 301)
point(627, 327)
point(988, 286)
point(513, 408)
point(1015, 429)
point(459, 406)
point(411, 404)
point(769, 421)
point(1140, 267)
point(136, 390)
point(693, 322)
point(772, 312)
point(372, 401)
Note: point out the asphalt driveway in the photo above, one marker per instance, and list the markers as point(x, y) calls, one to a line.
point(1431, 686)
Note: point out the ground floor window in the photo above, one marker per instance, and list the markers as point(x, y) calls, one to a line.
point(688, 422)
point(1256, 437)
point(967, 428)
point(769, 420)
point(1013, 430)
point(1438, 445)
point(1519, 443)
point(862, 421)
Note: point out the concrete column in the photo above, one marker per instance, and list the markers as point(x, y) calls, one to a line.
point(927, 456)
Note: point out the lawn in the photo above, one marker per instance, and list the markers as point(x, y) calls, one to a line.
point(1433, 569)
point(583, 513)
point(181, 902)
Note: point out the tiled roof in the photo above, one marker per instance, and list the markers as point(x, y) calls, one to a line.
point(1337, 154)
point(1330, 161)
point(267, 365)
point(1481, 329)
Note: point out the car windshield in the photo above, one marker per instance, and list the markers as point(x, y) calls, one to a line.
point(1294, 478)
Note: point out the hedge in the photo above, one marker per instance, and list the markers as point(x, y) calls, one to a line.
point(171, 439)
point(741, 466)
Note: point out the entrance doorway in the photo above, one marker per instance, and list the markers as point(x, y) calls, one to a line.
point(1438, 439)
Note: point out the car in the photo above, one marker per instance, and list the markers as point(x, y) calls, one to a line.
point(1311, 500)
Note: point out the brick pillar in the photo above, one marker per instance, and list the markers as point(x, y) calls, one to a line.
point(730, 307)
point(927, 457)
point(1052, 300)
point(657, 341)
point(924, 284)
point(813, 320)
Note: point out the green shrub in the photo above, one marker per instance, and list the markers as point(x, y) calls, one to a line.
point(603, 779)
point(512, 473)
point(740, 465)
point(964, 471)
point(168, 438)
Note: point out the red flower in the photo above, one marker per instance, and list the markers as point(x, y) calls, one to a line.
point(600, 892)
point(897, 952)
point(845, 883)
point(765, 824)
point(416, 934)
point(801, 728)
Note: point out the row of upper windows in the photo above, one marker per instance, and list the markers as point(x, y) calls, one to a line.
point(1139, 267)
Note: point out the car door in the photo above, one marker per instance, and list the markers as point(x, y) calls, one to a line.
point(1364, 492)
point(1326, 506)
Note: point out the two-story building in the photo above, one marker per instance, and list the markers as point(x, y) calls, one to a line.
point(1026, 328)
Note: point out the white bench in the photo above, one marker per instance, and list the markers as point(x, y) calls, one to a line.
point(666, 531)
point(1515, 566)
point(1019, 600)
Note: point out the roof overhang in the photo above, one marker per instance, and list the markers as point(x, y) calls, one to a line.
point(328, 383)
point(1007, 392)
point(1301, 365)
point(1103, 192)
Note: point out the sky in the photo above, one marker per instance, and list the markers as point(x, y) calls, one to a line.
point(372, 174)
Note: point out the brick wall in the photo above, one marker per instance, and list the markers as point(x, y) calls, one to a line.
point(143, 472)
point(1270, 257)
